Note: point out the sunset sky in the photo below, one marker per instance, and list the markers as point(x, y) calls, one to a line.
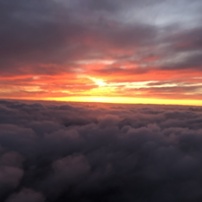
point(126, 51)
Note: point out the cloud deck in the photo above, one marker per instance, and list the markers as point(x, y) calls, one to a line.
point(99, 152)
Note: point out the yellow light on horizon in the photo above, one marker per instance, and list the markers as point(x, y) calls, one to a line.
point(128, 100)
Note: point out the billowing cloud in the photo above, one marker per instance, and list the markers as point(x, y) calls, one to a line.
point(26, 195)
point(84, 152)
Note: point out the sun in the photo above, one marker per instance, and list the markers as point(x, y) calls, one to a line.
point(98, 82)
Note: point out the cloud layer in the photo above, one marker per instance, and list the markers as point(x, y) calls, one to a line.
point(98, 152)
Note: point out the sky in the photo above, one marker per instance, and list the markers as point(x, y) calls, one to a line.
point(98, 152)
point(131, 51)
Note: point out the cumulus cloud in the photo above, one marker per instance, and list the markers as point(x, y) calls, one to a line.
point(26, 195)
point(90, 152)
point(9, 178)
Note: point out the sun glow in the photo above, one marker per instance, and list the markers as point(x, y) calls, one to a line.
point(98, 82)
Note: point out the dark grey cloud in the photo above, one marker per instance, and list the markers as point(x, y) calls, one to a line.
point(184, 51)
point(35, 33)
point(183, 61)
point(88, 152)
point(189, 39)
point(47, 37)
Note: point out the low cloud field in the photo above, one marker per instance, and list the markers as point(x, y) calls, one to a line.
point(59, 152)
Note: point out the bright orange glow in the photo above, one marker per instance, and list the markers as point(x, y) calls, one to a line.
point(98, 84)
